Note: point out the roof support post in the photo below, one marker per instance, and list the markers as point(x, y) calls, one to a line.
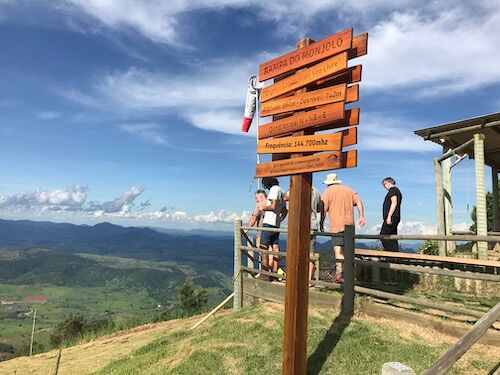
point(448, 206)
point(496, 199)
point(482, 226)
point(440, 217)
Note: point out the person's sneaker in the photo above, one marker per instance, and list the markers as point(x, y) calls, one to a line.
point(281, 273)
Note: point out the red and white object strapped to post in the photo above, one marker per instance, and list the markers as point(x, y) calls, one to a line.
point(251, 104)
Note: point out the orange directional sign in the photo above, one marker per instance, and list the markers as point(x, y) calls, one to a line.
point(351, 75)
point(351, 118)
point(349, 138)
point(303, 78)
point(304, 120)
point(306, 100)
point(313, 163)
point(349, 159)
point(327, 47)
point(307, 143)
point(359, 46)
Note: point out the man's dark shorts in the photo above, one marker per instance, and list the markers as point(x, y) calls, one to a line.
point(269, 238)
point(338, 241)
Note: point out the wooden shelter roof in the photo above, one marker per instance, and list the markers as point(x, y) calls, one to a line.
point(456, 133)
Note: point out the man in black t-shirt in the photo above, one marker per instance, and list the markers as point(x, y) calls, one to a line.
point(391, 213)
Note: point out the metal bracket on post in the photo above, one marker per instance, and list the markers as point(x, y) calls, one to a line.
point(237, 279)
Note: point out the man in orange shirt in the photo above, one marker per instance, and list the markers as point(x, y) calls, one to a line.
point(339, 202)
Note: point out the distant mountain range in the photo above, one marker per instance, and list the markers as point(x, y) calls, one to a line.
point(200, 250)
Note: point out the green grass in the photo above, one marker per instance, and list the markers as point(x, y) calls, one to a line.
point(250, 341)
point(99, 302)
point(117, 288)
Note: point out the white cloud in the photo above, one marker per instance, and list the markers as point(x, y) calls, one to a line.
point(420, 49)
point(391, 132)
point(222, 216)
point(119, 205)
point(69, 197)
point(461, 227)
point(149, 131)
point(210, 98)
point(48, 115)
point(408, 227)
point(438, 49)
point(153, 19)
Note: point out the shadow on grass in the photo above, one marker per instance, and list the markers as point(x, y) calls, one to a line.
point(495, 370)
point(332, 337)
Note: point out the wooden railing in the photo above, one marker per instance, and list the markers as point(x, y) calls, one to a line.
point(485, 270)
point(453, 354)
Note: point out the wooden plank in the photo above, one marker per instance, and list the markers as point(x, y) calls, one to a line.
point(359, 46)
point(306, 143)
point(237, 279)
point(352, 94)
point(327, 47)
point(430, 258)
point(303, 120)
point(312, 163)
point(351, 118)
point(305, 100)
point(351, 75)
point(305, 77)
point(349, 138)
point(349, 159)
point(453, 354)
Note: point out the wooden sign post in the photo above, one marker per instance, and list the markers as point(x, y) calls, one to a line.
point(312, 85)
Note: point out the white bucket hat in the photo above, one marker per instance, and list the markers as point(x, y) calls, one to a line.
point(331, 179)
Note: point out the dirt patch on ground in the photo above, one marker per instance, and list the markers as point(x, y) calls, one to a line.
point(35, 298)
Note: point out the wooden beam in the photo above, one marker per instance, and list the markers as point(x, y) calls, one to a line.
point(427, 258)
point(237, 279)
point(496, 199)
point(448, 203)
point(453, 354)
point(440, 215)
point(482, 225)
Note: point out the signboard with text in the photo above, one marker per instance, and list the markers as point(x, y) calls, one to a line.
point(312, 87)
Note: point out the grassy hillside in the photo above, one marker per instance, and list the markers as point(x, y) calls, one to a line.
point(58, 284)
point(250, 341)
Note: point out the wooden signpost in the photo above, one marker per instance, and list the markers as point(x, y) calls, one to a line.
point(312, 86)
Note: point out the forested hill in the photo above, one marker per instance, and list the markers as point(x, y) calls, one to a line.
point(209, 252)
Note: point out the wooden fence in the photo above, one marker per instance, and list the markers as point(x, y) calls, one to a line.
point(483, 270)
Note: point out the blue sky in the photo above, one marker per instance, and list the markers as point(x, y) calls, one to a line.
point(129, 111)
